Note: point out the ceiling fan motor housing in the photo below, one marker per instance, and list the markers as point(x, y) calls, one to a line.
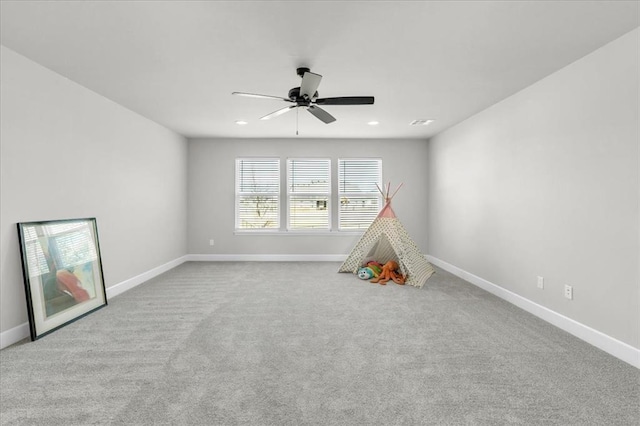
point(294, 95)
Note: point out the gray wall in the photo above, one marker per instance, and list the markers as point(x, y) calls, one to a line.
point(212, 196)
point(67, 152)
point(546, 183)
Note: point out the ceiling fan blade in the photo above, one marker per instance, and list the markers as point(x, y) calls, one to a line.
point(310, 83)
point(321, 114)
point(278, 112)
point(253, 95)
point(346, 100)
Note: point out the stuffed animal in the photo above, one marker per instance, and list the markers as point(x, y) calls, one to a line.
point(390, 272)
point(365, 273)
point(375, 267)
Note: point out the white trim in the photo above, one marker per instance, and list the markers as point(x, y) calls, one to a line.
point(377, 193)
point(125, 285)
point(14, 335)
point(275, 193)
point(612, 346)
point(290, 194)
point(266, 257)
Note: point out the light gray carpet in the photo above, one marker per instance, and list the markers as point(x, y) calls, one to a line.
point(299, 344)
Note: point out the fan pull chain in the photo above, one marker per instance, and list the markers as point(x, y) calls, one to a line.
point(297, 111)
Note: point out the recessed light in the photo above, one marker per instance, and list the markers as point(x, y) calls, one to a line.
point(373, 123)
point(421, 122)
point(241, 122)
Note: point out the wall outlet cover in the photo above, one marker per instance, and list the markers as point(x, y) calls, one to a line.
point(568, 292)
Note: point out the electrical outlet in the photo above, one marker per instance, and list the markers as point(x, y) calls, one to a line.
point(211, 242)
point(540, 282)
point(568, 292)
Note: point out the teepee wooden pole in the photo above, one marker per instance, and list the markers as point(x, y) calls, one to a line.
point(379, 190)
point(388, 189)
point(396, 191)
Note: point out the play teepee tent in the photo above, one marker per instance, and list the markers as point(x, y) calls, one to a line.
point(385, 240)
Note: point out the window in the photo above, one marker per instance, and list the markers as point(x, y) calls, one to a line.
point(257, 193)
point(303, 197)
point(360, 200)
point(309, 194)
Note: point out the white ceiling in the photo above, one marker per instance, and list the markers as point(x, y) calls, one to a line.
point(178, 62)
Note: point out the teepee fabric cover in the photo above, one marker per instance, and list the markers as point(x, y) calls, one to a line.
point(385, 240)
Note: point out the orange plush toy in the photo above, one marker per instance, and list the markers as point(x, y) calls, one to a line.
point(390, 272)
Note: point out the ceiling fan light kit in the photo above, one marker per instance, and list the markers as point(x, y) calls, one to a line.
point(306, 96)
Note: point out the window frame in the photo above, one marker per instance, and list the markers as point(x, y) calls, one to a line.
point(239, 194)
point(288, 195)
point(374, 193)
point(283, 195)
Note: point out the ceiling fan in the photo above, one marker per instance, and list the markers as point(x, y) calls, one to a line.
point(306, 96)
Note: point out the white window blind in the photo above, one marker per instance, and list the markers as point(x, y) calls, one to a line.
point(257, 193)
point(309, 194)
point(360, 200)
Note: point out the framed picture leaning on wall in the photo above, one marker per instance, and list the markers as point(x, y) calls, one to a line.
point(62, 272)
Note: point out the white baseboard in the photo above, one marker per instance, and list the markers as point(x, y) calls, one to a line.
point(14, 335)
point(266, 257)
point(20, 332)
point(618, 349)
point(123, 286)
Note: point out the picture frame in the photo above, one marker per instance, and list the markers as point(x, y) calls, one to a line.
point(62, 271)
